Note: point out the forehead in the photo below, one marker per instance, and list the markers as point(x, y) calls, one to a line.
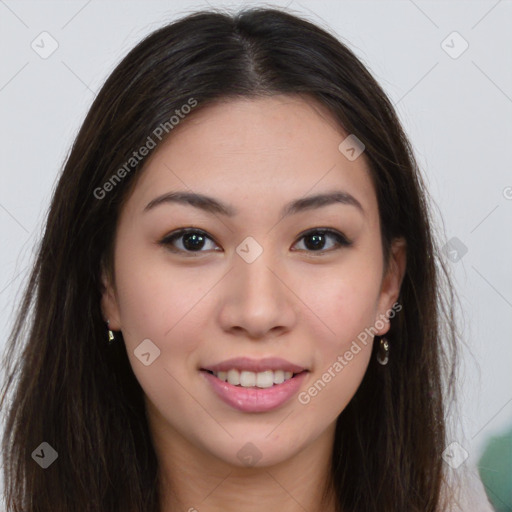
point(256, 152)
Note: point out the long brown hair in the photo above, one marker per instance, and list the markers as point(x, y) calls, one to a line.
point(67, 388)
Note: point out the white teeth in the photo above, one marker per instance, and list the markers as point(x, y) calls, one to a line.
point(234, 377)
point(248, 379)
point(265, 379)
point(278, 377)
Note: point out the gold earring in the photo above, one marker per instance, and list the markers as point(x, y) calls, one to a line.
point(111, 337)
point(383, 353)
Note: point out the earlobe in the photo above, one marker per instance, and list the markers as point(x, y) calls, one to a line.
point(392, 281)
point(109, 306)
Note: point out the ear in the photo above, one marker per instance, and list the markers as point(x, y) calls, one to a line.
point(391, 282)
point(109, 303)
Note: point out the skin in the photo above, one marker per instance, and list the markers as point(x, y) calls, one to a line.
point(200, 308)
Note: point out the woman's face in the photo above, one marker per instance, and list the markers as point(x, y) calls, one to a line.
point(257, 290)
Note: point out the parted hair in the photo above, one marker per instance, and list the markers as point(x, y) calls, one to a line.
point(65, 386)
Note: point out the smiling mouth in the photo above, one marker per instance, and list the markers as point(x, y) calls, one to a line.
point(248, 379)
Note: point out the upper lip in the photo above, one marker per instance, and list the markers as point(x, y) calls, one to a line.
point(255, 365)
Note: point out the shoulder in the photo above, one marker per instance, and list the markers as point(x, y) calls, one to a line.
point(463, 491)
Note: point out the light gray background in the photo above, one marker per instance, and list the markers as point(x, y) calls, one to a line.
point(457, 112)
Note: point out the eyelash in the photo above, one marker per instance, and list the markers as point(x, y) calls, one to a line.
point(169, 239)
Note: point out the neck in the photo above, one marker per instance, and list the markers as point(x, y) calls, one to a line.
point(194, 481)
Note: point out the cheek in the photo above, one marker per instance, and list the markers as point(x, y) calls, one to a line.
point(160, 302)
point(157, 299)
point(331, 388)
point(345, 305)
point(341, 302)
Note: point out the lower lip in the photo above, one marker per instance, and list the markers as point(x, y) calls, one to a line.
point(255, 399)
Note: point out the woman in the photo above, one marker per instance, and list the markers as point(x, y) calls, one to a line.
point(237, 302)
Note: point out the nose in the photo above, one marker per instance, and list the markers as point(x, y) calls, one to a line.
point(257, 299)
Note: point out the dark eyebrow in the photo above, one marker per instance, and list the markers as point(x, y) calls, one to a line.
point(211, 205)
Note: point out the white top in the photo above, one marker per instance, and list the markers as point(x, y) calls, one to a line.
point(465, 491)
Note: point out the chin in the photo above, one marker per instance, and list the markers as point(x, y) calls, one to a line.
point(257, 448)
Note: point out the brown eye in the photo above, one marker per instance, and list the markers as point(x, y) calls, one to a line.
point(316, 240)
point(190, 240)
